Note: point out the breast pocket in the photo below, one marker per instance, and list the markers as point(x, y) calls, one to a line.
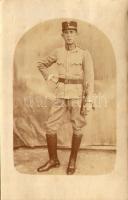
point(60, 62)
point(76, 60)
point(76, 66)
point(60, 67)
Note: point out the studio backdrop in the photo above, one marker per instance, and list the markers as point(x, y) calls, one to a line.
point(33, 95)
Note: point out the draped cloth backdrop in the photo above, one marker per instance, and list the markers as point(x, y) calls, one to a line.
point(33, 95)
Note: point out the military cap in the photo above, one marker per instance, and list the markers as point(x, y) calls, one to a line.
point(71, 25)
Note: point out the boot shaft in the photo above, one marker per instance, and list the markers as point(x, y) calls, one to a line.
point(52, 146)
point(76, 141)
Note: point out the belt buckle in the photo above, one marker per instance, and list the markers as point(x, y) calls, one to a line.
point(66, 81)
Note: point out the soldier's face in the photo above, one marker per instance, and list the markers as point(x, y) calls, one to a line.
point(69, 36)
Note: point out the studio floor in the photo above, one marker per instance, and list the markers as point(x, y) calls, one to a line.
point(89, 162)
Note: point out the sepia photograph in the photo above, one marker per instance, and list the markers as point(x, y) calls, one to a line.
point(64, 100)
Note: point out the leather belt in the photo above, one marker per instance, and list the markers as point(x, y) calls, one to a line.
point(70, 81)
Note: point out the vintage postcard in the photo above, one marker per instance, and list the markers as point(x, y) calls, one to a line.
point(64, 100)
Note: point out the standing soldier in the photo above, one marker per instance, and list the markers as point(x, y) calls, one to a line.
point(74, 84)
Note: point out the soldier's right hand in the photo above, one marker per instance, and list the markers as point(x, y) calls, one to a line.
point(53, 77)
point(44, 72)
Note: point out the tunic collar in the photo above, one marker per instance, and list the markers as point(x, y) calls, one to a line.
point(73, 50)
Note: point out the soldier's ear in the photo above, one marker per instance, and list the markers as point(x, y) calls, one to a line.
point(62, 34)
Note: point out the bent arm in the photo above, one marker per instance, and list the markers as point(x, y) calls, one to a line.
point(47, 62)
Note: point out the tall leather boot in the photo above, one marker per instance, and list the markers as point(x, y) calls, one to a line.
point(76, 140)
point(52, 150)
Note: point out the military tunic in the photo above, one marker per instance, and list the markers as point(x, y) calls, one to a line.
point(75, 65)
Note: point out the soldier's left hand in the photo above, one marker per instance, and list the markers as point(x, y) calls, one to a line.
point(87, 107)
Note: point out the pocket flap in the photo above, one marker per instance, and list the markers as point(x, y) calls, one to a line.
point(60, 62)
point(76, 60)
